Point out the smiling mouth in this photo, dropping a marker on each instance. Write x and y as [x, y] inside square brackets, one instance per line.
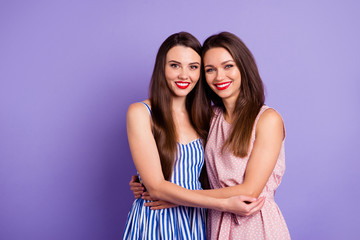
[182, 85]
[222, 86]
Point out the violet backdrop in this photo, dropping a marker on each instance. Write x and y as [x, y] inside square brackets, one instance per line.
[70, 69]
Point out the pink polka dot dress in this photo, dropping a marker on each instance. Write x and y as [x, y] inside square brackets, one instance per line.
[224, 170]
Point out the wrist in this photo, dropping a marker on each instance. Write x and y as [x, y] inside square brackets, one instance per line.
[221, 204]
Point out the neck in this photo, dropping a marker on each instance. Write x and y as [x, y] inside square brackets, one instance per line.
[178, 104]
[229, 104]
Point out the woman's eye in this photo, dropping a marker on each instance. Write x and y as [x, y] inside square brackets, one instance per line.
[229, 66]
[174, 65]
[209, 70]
[193, 67]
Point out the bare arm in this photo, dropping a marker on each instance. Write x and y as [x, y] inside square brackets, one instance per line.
[145, 156]
[139, 191]
[267, 145]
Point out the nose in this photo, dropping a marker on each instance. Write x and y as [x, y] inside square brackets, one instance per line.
[220, 75]
[183, 74]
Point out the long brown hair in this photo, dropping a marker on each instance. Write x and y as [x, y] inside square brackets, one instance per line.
[251, 97]
[197, 104]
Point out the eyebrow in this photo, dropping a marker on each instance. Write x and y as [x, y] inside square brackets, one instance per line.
[223, 63]
[173, 61]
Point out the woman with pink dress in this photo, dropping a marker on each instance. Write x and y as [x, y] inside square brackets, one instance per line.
[245, 146]
[244, 151]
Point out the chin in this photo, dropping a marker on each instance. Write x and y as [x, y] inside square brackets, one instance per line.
[182, 92]
[179, 93]
[224, 96]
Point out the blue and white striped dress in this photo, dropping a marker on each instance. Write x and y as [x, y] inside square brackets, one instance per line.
[177, 222]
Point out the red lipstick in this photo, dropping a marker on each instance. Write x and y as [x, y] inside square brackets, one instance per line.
[222, 86]
[182, 85]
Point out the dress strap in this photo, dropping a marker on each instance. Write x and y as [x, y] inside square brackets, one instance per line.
[147, 106]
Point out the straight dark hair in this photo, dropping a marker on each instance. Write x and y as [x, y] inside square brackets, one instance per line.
[251, 97]
[197, 104]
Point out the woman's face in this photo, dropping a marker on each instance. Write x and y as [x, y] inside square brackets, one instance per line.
[182, 70]
[222, 74]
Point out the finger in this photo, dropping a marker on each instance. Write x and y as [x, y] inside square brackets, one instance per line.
[152, 204]
[259, 207]
[255, 203]
[159, 207]
[247, 198]
[146, 194]
[256, 207]
[247, 208]
[136, 196]
[163, 206]
[134, 178]
[158, 204]
[135, 184]
[254, 210]
[137, 192]
[137, 189]
[147, 198]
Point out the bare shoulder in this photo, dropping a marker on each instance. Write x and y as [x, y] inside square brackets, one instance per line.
[270, 120]
[138, 112]
[270, 116]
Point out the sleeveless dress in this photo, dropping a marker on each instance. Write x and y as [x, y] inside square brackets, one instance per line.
[178, 222]
[225, 169]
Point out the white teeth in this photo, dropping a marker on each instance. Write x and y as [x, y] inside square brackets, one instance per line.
[183, 84]
[222, 85]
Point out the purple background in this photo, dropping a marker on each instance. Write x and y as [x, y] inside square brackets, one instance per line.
[69, 70]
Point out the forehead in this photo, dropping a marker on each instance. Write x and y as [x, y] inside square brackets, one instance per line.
[217, 55]
[182, 54]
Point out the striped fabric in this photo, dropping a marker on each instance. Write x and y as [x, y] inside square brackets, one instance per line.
[177, 222]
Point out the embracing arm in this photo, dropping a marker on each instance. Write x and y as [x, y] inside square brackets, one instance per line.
[263, 158]
[147, 162]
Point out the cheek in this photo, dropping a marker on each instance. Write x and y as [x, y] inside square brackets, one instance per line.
[195, 76]
[236, 75]
[169, 74]
[208, 79]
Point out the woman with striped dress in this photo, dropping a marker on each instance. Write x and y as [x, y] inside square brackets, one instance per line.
[177, 222]
[166, 134]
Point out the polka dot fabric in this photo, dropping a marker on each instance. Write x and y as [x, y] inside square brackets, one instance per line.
[224, 170]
